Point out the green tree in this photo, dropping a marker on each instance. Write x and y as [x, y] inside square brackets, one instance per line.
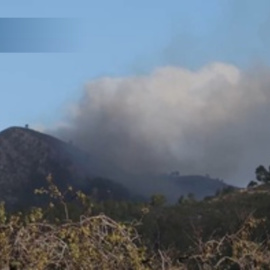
[181, 199]
[157, 200]
[252, 184]
[262, 174]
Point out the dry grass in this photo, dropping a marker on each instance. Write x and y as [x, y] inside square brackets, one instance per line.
[30, 242]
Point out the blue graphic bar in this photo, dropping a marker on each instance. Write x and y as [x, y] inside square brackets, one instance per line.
[37, 35]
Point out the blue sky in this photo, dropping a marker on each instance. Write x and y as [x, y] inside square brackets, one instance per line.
[120, 38]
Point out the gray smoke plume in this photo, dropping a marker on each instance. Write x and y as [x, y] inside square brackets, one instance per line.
[214, 120]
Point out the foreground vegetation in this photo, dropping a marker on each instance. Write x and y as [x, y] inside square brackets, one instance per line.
[227, 231]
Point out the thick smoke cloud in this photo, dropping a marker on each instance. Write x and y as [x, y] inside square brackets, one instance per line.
[214, 120]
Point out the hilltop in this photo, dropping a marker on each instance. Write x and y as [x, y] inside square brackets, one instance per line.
[27, 157]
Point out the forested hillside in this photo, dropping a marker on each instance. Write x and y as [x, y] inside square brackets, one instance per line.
[28, 156]
[74, 231]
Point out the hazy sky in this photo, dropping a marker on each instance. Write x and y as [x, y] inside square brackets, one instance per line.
[127, 38]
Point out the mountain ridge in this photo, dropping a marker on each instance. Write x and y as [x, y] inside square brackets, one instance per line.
[28, 156]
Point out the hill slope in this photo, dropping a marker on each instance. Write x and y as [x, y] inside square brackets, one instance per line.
[28, 156]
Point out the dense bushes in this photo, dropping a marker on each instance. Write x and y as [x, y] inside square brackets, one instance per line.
[215, 234]
[93, 243]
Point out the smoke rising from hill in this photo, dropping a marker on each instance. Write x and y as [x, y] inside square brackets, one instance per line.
[214, 120]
